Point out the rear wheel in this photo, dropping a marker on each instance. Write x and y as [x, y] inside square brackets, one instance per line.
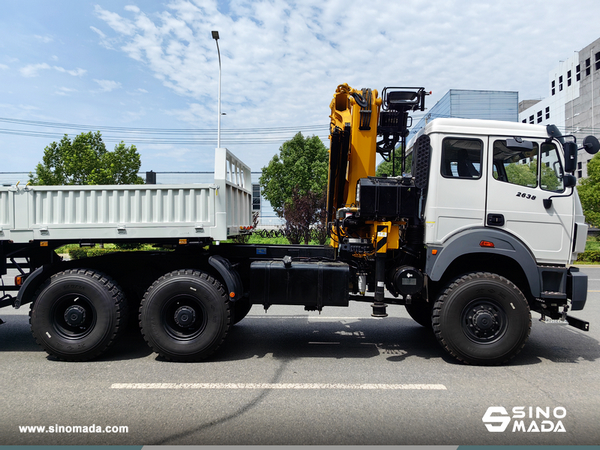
[77, 314]
[482, 318]
[184, 315]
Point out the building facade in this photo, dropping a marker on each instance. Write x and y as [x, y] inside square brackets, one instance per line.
[574, 101]
[472, 104]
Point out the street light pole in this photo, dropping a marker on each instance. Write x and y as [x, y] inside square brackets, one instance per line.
[215, 35]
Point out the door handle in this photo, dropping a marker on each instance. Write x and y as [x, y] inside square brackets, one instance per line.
[495, 220]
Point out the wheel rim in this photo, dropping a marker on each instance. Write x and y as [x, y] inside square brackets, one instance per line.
[484, 321]
[74, 316]
[184, 317]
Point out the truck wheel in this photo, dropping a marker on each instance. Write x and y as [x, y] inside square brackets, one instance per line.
[240, 309]
[184, 315]
[420, 312]
[482, 318]
[77, 314]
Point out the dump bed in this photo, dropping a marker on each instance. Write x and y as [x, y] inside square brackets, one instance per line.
[144, 212]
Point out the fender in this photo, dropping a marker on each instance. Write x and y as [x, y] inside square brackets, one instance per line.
[33, 282]
[230, 276]
[469, 241]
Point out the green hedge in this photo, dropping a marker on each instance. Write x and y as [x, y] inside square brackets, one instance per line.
[88, 252]
[589, 256]
[76, 252]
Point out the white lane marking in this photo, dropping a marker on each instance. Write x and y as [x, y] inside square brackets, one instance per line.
[394, 387]
[278, 316]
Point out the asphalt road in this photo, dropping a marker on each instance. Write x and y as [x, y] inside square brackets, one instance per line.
[296, 377]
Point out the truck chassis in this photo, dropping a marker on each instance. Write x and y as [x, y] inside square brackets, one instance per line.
[472, 274]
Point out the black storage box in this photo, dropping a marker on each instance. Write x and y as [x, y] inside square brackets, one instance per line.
[314, 284]
[387, 198]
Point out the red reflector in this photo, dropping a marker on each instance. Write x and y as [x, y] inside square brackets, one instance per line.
[486, 244]
[19, 280]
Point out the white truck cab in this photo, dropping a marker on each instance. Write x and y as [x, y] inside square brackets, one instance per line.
[498, 174]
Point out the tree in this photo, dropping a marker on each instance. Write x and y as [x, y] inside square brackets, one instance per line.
[301, 165]
[85, 160]
[526, 175]
[385, 167]
[589, 192]
[306, 218]
[522, 174]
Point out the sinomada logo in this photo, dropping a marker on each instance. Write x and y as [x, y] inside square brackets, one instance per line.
[525, 419]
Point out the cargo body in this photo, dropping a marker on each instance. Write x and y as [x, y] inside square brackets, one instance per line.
[136, 212]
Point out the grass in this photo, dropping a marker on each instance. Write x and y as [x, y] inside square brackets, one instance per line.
[592, 243]
[255, 239]
[76, 252]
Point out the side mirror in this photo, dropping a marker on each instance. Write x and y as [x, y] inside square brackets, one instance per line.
[570, 156]
[569, 181]
[591, 145]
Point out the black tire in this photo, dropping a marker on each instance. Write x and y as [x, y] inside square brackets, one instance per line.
[240, 309]
[184, 315]
[482, 318]
[77, 314]
[420, 312]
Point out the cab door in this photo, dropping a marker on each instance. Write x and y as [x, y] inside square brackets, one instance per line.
[456, 194]
[522, 174]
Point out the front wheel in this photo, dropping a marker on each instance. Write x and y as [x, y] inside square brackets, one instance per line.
[184, 315]
[482, 318]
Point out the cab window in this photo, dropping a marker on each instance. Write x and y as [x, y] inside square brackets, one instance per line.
[551, 174]
[530, 167]
[516, 166]
[461, 158]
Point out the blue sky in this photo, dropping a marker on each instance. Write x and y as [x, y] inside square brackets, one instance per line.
[128, 68]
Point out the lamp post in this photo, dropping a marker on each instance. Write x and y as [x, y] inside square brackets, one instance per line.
[215, 35]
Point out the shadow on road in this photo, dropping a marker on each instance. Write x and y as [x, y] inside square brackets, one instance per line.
[396, 338]
[302, 337]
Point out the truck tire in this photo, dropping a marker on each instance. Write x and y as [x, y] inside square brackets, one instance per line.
[420, 312]
[184, 315]
[77, 314]
[482, 319]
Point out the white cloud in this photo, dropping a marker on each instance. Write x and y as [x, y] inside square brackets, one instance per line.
[282, 60]
[194, 114]
[64, 91]
[98, 32]
[33, 70]
[3, 67]
[108, 85]
[76, 73]
[44, 39]
[133, 116]
[116, 22]
[181, 154]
